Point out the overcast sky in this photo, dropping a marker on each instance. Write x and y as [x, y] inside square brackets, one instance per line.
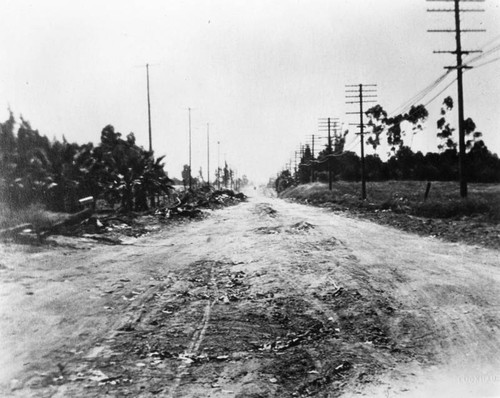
[261, 72]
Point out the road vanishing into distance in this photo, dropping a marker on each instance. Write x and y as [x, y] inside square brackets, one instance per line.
[264, 299]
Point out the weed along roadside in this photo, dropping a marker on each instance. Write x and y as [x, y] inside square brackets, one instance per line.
[402, 204]
[38, 226]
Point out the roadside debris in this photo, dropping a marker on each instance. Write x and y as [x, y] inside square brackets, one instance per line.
[269, 230]
[265, 210]
[189, 203]
[296, 228]
[108, 227]
[13, 231]
[301, 226]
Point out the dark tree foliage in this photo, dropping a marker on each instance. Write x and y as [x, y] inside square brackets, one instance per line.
[226, 175]
[304, 170]
[393, 127]
[445, 131]
[185, 175]
[35, 170]
[284, 181]
[403, 163]
[483, 166]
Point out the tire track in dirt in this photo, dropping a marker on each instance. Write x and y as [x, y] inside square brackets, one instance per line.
[195, 343]
[365, 318]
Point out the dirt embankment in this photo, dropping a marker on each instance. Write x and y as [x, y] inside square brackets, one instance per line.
[265, 299]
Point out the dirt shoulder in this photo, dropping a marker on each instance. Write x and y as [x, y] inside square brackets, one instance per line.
[264, 299]
[400, 205]
[468, 230]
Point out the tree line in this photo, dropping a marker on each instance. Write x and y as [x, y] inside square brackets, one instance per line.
[57, 173]
[402, 163]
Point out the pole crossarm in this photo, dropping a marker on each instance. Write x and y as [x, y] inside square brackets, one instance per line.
[356, 91]
[449, 1]
[364, 96]
[455, 30]
[449, 10]
[455, 51]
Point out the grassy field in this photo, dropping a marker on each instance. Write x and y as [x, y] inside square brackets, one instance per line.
[406, 197]
[401, 204]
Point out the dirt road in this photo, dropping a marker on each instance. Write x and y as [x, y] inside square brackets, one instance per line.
[264, 299]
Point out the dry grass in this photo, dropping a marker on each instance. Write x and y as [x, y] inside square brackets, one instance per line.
[34, 214]
[407, 197]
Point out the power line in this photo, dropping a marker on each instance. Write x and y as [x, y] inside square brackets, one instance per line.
[486, 63]
[441, 92]
[427, 90]
[420, 95]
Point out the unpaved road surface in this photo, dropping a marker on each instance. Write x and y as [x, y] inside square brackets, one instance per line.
[264, 299]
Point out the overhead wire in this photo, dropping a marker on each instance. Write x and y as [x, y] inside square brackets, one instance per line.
[420, 95]
[468, 63]
[487, 62]
[427, 90]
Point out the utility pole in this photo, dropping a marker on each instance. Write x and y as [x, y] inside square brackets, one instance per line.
[218, 165]
[312, 148]
[295, 164]
[328, 123]
[190, 179]
[312, 160]
[459, 67]
[361, 100]
[208, 154]
[149, 110]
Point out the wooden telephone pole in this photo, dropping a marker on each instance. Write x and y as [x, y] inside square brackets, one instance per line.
[149, 110]
[311, 161]
[208, 154]
[327, 124]
[361, 99]
[190, 179]
[459, 67]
